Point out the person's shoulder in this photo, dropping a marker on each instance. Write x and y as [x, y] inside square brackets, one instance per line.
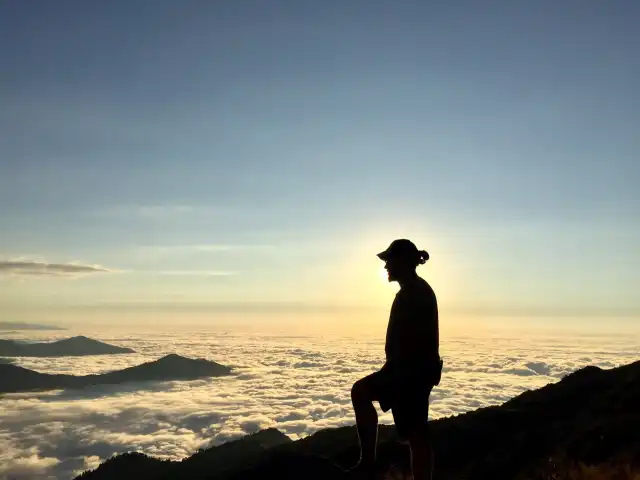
[413, 288]
[423, 285]
[424, 290]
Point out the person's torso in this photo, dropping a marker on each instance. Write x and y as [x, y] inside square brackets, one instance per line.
[412, 333]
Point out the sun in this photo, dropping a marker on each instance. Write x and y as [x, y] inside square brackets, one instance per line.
[382, 273]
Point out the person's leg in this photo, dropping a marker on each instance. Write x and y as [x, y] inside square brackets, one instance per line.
[421, 454]
[411, 418]
[362, 398]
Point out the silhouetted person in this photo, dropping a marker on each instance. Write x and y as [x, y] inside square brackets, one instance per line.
[413, 366]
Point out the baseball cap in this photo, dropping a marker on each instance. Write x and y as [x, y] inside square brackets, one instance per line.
[401, 248]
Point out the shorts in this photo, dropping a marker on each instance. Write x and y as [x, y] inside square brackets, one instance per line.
[406, 393]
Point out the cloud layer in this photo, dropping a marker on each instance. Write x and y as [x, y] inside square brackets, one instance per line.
[41, 269]
[298, 384]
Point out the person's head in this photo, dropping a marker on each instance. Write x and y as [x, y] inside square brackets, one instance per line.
[401, 259]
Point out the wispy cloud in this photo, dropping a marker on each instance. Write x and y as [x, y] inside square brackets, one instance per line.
[41, 269]
[209, 248]
[204, 273]
[167, 254]
[158, 211]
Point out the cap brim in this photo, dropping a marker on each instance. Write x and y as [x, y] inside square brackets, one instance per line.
[384, 256]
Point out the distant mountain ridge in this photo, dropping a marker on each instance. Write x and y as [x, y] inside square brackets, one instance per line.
[14, 379]
[591, 416]
[68, 347]
[27, 326]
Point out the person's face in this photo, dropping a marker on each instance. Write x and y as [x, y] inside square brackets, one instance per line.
[395, 269]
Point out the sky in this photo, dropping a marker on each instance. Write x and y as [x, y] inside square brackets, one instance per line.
[162, 158]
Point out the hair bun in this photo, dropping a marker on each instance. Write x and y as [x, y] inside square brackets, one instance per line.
[424, 256]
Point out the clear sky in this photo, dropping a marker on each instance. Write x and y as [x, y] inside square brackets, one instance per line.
[248, 156]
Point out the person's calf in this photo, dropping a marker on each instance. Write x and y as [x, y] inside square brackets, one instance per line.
[367, 428]
[421, 455]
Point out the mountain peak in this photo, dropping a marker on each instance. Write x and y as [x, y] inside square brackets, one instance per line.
[175, 359]
[73, 346]
[79, 339]
[14, 378]
[179, 367]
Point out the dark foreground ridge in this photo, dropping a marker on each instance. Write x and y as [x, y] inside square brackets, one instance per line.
[591, 416]
[69, 347]
[15, 379]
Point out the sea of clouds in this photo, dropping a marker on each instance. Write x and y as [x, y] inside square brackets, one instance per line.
[298, 384]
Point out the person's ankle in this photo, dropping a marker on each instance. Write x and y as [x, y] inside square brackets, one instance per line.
[362, 471]
[364, 466]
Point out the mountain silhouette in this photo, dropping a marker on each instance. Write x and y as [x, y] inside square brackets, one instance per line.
[590, 416]
[74, 346]
[27, 326]
[14, 378]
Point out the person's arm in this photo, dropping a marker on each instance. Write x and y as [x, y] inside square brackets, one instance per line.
[422, 332]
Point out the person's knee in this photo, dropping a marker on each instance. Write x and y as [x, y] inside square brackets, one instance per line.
[359, 392]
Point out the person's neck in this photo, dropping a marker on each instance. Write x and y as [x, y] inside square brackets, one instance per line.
[408, 279]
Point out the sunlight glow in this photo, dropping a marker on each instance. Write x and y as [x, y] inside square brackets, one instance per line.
[382, 273]
[364, 278]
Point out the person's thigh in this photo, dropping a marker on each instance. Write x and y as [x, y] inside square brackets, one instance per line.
[411, 413]
[379, 386]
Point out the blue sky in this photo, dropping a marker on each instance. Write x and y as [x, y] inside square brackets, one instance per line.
[237, 153]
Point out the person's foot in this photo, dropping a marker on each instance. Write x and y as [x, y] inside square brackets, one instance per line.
[361, 472]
